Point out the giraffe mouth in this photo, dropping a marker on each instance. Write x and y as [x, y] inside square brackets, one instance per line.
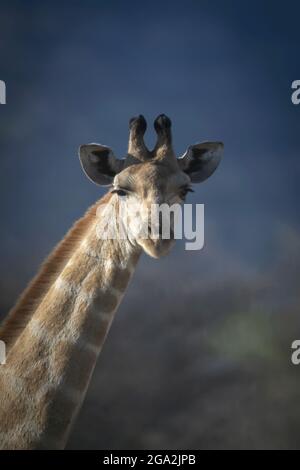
[161, 237]
[157, 246]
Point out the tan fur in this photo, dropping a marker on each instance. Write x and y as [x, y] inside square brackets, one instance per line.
[50, 364]
[58, 327]
[29, 300]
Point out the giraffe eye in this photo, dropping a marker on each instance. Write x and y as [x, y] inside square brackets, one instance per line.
[120, 192]
[184, 191]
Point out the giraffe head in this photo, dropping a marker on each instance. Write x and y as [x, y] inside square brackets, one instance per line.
[146, 178]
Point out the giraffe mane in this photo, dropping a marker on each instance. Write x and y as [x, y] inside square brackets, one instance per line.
[19, 316]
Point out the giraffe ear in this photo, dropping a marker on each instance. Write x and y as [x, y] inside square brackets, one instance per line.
[99, 163]
[201, 160]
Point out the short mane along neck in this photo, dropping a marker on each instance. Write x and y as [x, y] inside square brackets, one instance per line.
[49, 366]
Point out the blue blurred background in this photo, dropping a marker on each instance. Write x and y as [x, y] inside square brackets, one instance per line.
[199, 353]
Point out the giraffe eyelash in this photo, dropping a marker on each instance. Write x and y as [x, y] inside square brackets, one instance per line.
[185, 190]
[120, 191]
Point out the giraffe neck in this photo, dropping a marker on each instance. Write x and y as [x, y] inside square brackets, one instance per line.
[48, 369]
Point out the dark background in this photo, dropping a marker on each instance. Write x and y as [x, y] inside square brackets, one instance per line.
[199, 353]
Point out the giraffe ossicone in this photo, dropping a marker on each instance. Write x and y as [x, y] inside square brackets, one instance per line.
[56, 331]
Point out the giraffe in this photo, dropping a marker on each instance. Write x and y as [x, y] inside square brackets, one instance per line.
[56, 331]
